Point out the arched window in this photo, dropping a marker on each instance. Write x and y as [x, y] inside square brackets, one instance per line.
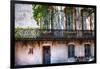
[87, 50]
[71, 50]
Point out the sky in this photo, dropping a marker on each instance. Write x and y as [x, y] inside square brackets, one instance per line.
[24, 16]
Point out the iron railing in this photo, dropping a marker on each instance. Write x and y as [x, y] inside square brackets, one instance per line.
[54, 34]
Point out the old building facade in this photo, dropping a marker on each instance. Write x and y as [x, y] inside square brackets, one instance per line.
[64, 35]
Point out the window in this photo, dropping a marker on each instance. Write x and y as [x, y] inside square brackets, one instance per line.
[46, 20]
[87, 50]
[71, 51]
[69, 20]
[92, 21]
[84, 22]
[88, 19]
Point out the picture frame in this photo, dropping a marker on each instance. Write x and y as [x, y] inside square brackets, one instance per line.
[52, 34]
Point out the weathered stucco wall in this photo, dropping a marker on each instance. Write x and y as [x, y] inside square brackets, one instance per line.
[23, 57]
[59, 52]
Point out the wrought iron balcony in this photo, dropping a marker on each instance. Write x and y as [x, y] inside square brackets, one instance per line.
[53, 34]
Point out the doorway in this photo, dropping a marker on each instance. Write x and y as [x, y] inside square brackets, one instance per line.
[46, 54]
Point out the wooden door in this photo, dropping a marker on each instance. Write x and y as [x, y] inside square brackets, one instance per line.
[46, 54]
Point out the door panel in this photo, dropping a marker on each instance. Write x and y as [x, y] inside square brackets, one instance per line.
[46, 55]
